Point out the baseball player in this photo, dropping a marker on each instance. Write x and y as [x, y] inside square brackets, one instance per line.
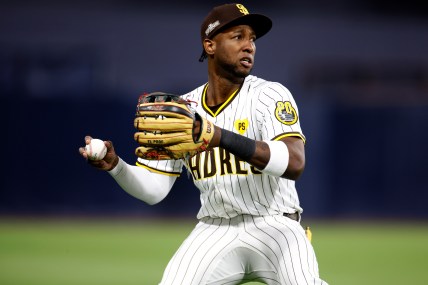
[249, 221]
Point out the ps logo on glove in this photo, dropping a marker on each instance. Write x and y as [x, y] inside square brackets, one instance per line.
[165, 128]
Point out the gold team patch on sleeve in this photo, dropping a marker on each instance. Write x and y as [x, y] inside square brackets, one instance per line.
[285, 113]
[241, 126]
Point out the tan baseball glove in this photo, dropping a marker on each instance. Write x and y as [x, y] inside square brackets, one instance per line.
[165, 126]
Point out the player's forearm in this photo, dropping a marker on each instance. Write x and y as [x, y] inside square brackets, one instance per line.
[280, 158]
[297, 161]
[142, 184]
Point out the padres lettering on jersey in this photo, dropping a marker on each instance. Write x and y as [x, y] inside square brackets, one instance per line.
[218, 162]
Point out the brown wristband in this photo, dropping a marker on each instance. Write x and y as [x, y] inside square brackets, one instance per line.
[240, 146]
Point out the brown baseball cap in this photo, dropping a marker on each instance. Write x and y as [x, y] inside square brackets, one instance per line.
[229, 15]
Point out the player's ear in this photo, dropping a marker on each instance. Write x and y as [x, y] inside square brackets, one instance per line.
[209, 46]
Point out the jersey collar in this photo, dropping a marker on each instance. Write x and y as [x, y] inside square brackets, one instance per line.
[222, 106]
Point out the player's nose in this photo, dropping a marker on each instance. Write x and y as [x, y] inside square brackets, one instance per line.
[249, 46]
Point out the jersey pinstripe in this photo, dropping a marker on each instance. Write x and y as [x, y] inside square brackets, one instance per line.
[260, 110]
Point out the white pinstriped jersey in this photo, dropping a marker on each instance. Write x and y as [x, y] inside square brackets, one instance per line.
[242, 234]
[259, 110]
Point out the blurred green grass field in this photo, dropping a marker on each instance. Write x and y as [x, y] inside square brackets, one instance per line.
[127, 252]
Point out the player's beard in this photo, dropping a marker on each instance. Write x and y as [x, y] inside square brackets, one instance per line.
[234, 71]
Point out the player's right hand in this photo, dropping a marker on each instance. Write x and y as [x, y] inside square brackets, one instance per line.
[109, 161]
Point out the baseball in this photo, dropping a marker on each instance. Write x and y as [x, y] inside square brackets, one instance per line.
[96, 149]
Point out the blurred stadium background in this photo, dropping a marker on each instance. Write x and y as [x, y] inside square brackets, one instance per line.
[358, 70]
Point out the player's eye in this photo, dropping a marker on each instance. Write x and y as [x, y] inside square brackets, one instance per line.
[237, 36]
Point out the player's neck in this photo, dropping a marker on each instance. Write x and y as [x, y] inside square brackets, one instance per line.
[219, 90]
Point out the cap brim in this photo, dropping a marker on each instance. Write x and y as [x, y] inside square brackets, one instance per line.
[261, 24]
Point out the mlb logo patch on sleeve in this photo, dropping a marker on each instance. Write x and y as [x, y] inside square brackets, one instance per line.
[285, 113]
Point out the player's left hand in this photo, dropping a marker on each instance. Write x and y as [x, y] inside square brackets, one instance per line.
[168, 128]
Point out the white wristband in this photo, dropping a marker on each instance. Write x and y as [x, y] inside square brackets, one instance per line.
[279, 157]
